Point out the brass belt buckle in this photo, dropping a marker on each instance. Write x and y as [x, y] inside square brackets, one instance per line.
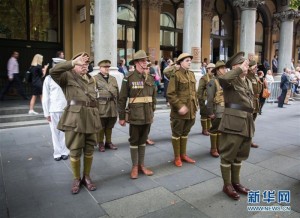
[146, 99]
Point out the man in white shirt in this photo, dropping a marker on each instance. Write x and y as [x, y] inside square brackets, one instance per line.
[13, 77]
[54, 102]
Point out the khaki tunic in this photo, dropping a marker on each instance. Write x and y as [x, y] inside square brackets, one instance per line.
[237, 91]
[76, 118]
[212, 106]
[257, 87]
[202, 93]
[182, 91]
[132, 84]
[108, 96]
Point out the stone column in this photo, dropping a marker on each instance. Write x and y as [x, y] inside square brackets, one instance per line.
[192, 33]
[206, 26]
[286, 38]
[248, 18]
[105, 36]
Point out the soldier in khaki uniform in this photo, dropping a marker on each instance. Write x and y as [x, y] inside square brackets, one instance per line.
[80, 120]
[257, 87]
[138, 88]
[236, 125]
[108, 96]
[215, 106]
[202, 97]
[183, 101]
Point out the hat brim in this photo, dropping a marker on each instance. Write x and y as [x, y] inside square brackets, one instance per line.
[133, 60]
[181, 59]
[230, 61]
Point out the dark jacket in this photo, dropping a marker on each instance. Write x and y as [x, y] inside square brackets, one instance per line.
[285, 82]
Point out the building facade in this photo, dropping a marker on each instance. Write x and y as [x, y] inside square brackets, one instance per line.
[114, 29]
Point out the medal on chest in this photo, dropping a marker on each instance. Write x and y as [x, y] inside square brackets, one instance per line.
[137, 85]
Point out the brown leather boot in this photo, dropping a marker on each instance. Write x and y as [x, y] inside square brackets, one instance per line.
[76, 186]
[145, 171]
[214, 152]
[134, 172]
[187, 159]
[230, 191]
[253, 145]
[88, 183]
[101, 147]
[178, 162]
[240, 188]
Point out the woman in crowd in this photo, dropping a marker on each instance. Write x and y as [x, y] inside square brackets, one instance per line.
[37, 85]
[265, 86]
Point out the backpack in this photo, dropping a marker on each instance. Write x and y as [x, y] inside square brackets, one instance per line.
[28, 76]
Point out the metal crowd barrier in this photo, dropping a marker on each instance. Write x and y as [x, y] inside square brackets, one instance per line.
[274, 89]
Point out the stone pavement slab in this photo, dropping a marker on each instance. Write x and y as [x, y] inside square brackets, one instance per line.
[178, 210]
[141, 203]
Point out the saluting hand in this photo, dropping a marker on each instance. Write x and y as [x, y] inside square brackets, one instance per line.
[245, 65]
[122, 122]
[81, 60]
[183, 110]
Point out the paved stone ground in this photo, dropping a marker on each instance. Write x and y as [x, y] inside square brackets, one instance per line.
[32, 184]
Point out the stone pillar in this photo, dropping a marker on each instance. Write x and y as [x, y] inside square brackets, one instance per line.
[105, 36]
[206, 26]
[248, 18]
[286, 38]
[192, 33]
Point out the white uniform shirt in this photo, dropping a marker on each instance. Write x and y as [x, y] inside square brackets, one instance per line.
[53, 97]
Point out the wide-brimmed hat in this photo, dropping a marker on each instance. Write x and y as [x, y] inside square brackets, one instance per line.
[252, 63]
[83, 52]
[140, 54]
[219, 64]
[104, 63]
[237, 58]
[183, 56]
[210, 65]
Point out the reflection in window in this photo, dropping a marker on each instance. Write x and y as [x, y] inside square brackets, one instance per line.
[43, 20]
[166, 20]
[167, 35]
[13, 19]
[126, 12]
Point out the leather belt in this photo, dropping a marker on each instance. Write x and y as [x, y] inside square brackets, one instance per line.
[107, 99]
[146, 99]
[239, 107]
[83, 103]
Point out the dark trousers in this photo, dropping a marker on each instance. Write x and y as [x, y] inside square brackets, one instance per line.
[282, 97]
[138, 134]
[15, 82]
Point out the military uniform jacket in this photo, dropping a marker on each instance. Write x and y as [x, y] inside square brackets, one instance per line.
[77, 118]
[108, 96]
[201, 92]
[182, 91]
[237, 91]
[140, 86]
[257, 87]
[212, 106]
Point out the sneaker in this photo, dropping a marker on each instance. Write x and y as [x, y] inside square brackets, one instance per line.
[32, 112]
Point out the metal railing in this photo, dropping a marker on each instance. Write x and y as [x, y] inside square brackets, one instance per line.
[274, 89]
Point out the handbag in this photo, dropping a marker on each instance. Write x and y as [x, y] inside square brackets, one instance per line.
[266, 93]
[157, 77]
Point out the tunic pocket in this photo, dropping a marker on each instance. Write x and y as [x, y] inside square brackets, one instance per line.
[235, 121]
[136, 112]
[183, 85]
[102, 106]
[72, 114]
